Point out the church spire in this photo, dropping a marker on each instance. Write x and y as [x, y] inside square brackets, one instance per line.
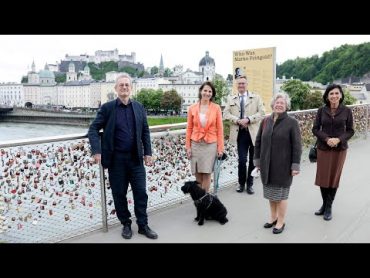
[161, 67]
[33, 68]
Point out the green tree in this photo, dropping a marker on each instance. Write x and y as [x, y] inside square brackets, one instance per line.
[143, 96]
[154, 70]
[109, 66]
[341, 62]
[96, 72]
[171, 101]
[167, 72]
[298, 92]
[150, 98]
[61, 78]
[218, 77]
[141, 74]
[313, 100]
[348, 98]
[221, 90]
[133, 72]
[24, 79]
[156, 99]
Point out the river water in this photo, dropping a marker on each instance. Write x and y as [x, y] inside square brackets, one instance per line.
[13, 131]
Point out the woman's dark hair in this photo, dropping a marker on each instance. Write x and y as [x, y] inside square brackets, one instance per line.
[207, 83]
[328, 89]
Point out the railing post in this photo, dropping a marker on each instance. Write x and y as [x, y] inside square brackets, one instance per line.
[103, 199]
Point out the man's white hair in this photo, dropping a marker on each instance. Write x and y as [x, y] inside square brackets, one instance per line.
[124, 75]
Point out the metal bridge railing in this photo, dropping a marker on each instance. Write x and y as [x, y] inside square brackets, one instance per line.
[50, 190]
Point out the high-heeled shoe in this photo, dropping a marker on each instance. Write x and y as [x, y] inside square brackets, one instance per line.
[278, 231]
[269, 225]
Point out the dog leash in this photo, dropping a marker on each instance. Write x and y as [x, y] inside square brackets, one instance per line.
[217, 166]
[217, 171]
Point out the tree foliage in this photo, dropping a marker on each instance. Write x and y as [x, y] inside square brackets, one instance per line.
[302, 97]
[167, 72]
[342, 62]
[143, 96]
[298, 92]
[98, 71]
[154, 70]
[133, 72]
[24, 79]
[61, 78]
[230, 77]
[221, 90]
[348, 98]
[313, 100]
[171, 101]
[151, 99]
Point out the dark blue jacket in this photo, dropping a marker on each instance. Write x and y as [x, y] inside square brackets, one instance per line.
[106, 120]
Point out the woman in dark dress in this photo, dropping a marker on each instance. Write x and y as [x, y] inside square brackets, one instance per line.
[333, 127]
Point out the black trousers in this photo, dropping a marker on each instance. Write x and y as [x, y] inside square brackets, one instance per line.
[127, 168]
[245, 146]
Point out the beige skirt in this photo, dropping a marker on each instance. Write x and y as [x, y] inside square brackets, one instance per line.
[203, 157]
[329, 168]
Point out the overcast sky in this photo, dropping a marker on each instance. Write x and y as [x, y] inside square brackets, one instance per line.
[17, 52]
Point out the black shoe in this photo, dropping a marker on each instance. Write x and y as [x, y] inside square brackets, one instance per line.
[240, 189]
[320, 211]
[327, 214]
[269, 225]
[250, 190]
[126, 231]
[278, 231]
[149, 233]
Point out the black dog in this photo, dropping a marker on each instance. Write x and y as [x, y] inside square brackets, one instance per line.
[208, 206]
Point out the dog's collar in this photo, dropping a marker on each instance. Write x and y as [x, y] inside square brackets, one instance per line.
[197, 202]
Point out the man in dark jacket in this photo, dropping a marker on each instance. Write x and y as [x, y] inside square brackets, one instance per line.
[126, 135]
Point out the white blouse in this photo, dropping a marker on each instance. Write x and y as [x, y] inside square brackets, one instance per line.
[202, 119]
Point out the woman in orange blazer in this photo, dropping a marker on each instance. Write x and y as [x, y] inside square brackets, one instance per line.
[204, 135]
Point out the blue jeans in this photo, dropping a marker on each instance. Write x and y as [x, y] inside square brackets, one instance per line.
[128, 168]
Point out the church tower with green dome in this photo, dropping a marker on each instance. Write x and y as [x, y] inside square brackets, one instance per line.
[46, 76]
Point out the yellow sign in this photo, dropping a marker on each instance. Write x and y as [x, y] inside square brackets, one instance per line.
[259, 65]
